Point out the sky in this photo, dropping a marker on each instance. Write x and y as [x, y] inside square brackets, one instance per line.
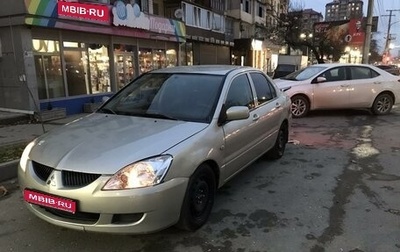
[380, 8]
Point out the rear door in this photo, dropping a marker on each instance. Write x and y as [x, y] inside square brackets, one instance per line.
[365, 84]
[270, 110]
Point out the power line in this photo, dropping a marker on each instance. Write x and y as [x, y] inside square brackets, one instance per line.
[388, 35]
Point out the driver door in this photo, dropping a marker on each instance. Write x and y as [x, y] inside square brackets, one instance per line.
[334, 92]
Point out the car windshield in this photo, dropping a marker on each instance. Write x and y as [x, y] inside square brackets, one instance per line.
[173, 96]
[304, 74]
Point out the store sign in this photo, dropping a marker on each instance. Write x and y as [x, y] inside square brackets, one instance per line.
[161, 25]
[83, 11]
[130, 15]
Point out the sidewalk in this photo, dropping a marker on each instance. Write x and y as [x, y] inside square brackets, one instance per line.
[17, 129]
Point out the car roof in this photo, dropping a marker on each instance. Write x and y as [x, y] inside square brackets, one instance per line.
[339, 64]
[204, 69]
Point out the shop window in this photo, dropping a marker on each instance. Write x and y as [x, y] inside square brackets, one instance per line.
[99, 65]
[159, 60]
[187, 54]
[145, 60]
[73, 44]
[48, 69]
[171, 58]
[124, 64]
[76, 68]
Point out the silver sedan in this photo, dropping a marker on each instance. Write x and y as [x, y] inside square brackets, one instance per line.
[155, 153]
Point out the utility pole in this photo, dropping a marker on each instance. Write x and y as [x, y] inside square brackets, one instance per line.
[386, 51]
[367, 40]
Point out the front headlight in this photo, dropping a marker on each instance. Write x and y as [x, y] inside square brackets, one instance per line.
[23, 162]
[144, 173]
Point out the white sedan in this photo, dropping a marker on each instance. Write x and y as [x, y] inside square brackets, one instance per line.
[341, 86]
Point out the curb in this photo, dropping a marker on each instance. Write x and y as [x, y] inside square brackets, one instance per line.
[8, 170]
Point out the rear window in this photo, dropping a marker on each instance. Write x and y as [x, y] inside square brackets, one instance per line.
[286, 68]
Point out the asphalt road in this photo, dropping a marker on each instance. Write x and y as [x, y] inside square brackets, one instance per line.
[336, 189]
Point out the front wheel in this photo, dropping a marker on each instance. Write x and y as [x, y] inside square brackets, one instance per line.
[382, 105]
[199, 199]
[300, 106]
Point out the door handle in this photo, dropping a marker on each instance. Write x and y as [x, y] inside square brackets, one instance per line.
[377, 82]
[344, 85]
[277, 105]
[256, 117]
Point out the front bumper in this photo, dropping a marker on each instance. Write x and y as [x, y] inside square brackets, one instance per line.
[133, 211]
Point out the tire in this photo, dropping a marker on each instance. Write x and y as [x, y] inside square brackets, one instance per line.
[280, 144]
[300, 106]
[199, 199]
[382, 105]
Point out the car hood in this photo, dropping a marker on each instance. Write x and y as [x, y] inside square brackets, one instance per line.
[286, 84]
[104, 144]
[281, 83]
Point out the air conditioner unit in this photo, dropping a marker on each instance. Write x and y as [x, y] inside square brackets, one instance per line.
[178, 13]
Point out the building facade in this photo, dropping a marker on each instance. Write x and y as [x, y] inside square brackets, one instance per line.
[252, 21]
[343, 10]
[66, 54]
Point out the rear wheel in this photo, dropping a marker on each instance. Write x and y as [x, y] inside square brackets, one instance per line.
[280, 144]
[300, 106]
[382, 105]
[199, 199]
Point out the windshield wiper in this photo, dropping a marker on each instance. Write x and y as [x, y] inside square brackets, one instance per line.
[161, 116]
[289, 78]
[107, 111]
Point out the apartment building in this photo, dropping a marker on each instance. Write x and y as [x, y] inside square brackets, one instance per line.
[343, 10]
[253, 21]
[209, 38]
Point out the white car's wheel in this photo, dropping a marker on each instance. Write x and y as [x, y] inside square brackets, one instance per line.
[383, 104]
[300, 106]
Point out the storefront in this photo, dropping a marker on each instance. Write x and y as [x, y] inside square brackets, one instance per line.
[261, 54]
[81, 52]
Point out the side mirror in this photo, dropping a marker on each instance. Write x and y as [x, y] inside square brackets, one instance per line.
[321, 79]
[237, 113]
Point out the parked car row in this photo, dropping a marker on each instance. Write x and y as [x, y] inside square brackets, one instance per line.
[154, 154]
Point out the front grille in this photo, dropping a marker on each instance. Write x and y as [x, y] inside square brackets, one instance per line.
[42, 171]
[69, 178]
[75, 179]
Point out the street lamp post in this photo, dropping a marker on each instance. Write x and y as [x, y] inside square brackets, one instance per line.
[305, 37]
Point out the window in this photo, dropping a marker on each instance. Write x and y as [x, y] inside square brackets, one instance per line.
[335, 74]
[362, 73]
[260, 11]
[196, 16]
[246, 6]
[239, 93]
[48, 68]
[218, 23]
[264, 89]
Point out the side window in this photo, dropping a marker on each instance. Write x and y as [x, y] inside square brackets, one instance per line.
[265, 91]
[239, 93]
[362, 73]
[335, 74]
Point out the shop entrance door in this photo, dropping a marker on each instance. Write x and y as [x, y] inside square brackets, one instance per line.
[124, 68]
